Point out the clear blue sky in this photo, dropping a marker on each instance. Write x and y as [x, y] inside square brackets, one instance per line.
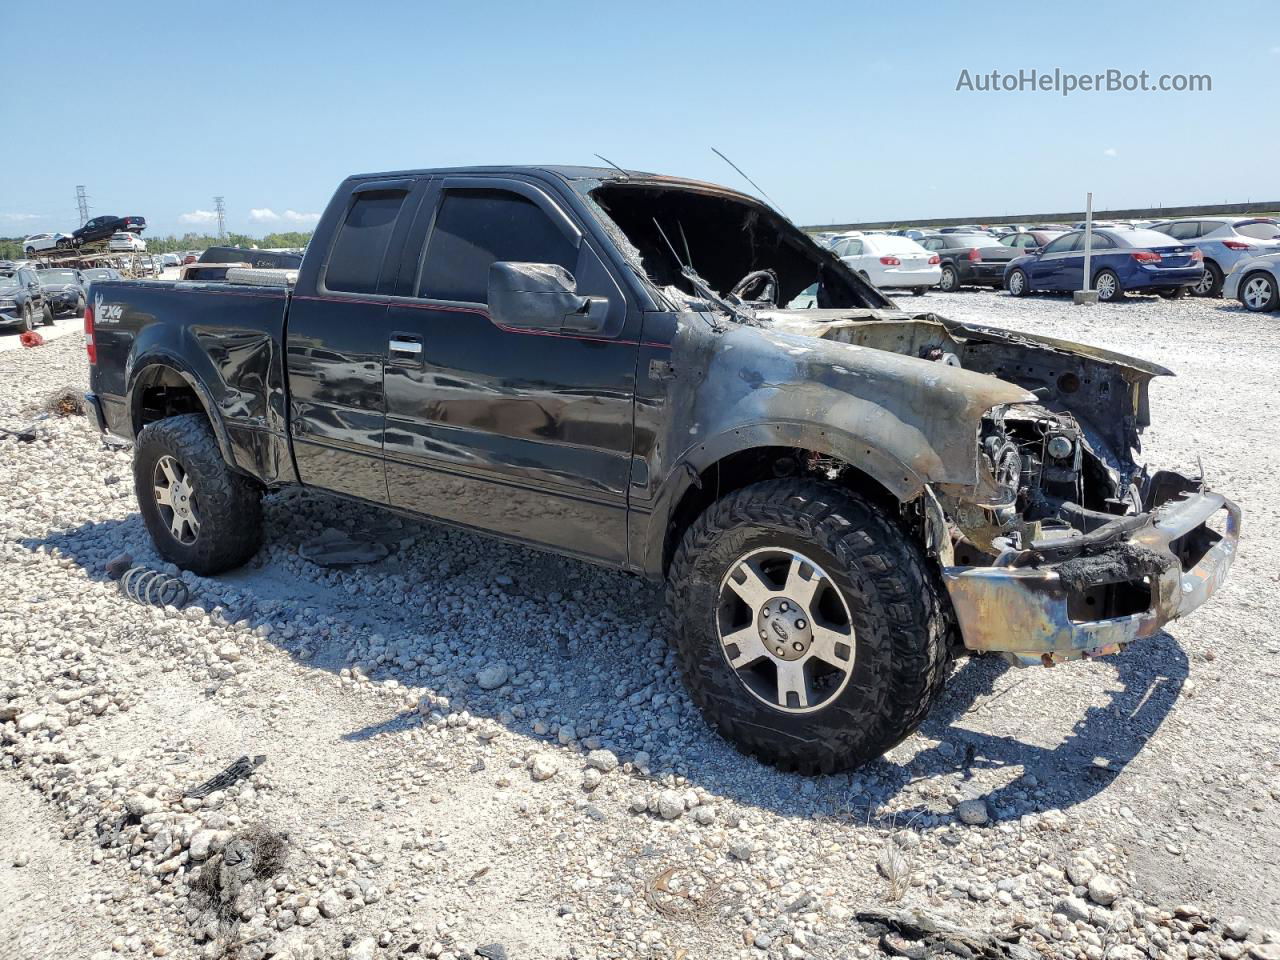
[841, 111]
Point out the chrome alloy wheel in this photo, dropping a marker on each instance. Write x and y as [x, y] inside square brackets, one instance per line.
[1202, 286]
[1106, 284]
[176, 498]
[785, 630]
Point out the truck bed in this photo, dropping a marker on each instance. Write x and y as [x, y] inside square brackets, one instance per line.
[224, 339]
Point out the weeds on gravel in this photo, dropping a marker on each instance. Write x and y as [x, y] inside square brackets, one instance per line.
[256, 853]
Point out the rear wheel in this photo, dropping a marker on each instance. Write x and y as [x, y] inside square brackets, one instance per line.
[919, 291]
[808, 627]
[1108, 286]
[1259, 293]
[201, 514]
[1177, 293]
[1017, 283]
[27, 323]
[950, 281]
[1209, 285]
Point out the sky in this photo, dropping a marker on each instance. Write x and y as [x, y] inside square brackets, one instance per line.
[842, 112]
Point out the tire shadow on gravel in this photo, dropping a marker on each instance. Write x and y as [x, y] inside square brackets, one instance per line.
[1109, 735]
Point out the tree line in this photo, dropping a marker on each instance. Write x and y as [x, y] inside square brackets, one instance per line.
[11, 247]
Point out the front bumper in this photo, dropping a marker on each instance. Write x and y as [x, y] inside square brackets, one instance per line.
[1096, 603]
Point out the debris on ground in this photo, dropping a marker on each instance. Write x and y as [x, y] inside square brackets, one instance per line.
[910, 933]
[29, 338]
[66, 401]
[154, 587]
[236, 771]
[333, 548]
[256, 854]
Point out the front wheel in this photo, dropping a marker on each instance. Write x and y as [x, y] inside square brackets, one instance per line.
[27, 323]
[1259, 293]
[1017, 283]
[808, 627]
[201, 514]
[46, 314]
[1108, 286]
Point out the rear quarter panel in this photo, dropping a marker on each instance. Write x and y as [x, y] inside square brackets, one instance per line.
[223, 339]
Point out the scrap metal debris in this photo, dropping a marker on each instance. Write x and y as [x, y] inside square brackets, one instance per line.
[679, 903]
[154, 588]
[254, 854]
[234, 773]
[333, 548]
[909, 933]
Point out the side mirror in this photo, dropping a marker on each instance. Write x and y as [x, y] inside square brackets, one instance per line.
[541, 296]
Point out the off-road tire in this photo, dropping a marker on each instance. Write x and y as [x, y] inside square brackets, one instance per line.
[899, 616]
[230, 504]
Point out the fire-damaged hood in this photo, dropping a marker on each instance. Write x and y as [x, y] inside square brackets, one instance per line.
[1105, 391]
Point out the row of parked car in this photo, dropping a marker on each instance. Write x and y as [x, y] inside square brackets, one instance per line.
[1238, 257]
[29, 295]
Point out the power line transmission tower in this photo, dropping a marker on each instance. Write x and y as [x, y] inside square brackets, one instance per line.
[82, 202]
[222, 217]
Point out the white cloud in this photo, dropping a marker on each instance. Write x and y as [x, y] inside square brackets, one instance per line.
[1111, 152]
[293, 216]
[199, 216]
[263, 215]
[19, 216]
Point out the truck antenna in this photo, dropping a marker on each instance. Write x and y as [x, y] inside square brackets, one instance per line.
[624, 173]
[759, 188]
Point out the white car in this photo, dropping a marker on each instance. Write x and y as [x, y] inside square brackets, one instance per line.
[126, 242]
[171, 260]
[45, 241]
[888, 262]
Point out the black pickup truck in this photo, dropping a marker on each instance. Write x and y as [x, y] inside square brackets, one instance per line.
[667, 377]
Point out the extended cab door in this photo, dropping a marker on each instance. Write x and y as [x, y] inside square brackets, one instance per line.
[523, 433]
[337, 338]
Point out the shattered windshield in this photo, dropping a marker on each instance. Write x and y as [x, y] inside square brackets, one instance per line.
[743, 252]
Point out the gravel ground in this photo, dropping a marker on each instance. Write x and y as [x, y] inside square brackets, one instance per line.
[472, 749]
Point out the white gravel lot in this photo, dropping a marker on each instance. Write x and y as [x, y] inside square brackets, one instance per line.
[435, 726]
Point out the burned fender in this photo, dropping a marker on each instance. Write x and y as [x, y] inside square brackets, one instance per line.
[906, 422]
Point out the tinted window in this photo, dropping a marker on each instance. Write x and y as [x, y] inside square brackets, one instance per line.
[1259, 231]
[970, 240]
[1100, 242]
[476, 228]
[357, 255]
[1183, 231]
[1063, 244]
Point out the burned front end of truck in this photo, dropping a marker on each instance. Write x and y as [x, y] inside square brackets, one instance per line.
[1011, 456]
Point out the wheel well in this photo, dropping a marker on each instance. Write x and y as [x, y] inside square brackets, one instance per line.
[162, 392]
[765, 463]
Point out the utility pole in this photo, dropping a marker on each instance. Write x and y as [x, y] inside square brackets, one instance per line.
[221, 210]
[82, 203]
[1086, 295]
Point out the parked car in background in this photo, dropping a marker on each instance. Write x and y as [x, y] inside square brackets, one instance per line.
[98, 273]
[967, 228]
[968, 259]
[21, 299]
[189, 258]
[63, 289]
[1122, 261]
[1028, 240]
[889, 262]
[1105, 225]
[101, 228]
[1224, 241]
[1255, 282]
[171, 260]
[128, 242]
[44, 241]
[1056, 227]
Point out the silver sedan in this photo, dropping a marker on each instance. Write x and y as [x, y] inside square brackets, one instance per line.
[1255, 282]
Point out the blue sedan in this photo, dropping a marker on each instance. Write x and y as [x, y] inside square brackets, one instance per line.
[1123, 260]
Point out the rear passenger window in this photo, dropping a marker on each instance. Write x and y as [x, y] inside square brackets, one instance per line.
[356, 260]
[1184, 231]
[477, 227]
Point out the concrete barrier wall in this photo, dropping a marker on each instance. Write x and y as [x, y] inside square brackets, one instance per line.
[1073, 216]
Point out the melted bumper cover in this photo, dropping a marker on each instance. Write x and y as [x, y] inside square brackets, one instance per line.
[1038, 612]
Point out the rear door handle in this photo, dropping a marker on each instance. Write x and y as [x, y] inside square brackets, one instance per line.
[404, 347]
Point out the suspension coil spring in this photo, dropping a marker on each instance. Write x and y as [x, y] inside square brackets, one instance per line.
[154, 587]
